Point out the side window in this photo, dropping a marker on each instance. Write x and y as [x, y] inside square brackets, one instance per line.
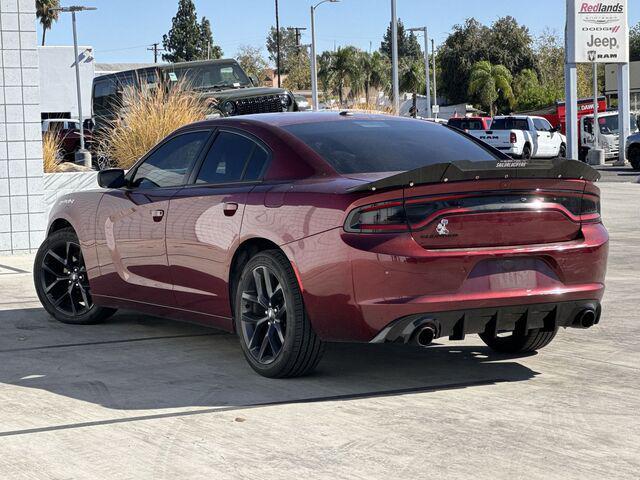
[547, 126]
[104, 96]
[168, 165]
[540, 125]
[229, 155]
[588, 125]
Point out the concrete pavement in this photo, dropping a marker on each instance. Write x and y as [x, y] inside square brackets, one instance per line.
[145, 398]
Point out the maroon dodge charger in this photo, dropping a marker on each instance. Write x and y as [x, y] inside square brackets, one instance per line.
[293, 230]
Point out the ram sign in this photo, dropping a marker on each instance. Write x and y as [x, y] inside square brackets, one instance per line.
[597, 31]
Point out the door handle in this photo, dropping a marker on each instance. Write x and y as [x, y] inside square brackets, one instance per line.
[157, 215]
[230, 209]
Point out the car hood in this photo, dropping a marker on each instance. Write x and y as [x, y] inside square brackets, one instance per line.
[237, 93]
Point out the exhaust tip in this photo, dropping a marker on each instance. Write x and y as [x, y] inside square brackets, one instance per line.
[586, 318]
[425, 335]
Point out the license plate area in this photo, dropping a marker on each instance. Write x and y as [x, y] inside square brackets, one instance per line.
[518, 280]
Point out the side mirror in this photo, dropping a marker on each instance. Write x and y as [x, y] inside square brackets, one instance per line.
[254, 80]
[111, 178]
[88, 124]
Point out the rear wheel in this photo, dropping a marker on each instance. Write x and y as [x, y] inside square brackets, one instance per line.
[634, 157]
[275, 333]
[61, 282]
[526, 152]
[518, 342]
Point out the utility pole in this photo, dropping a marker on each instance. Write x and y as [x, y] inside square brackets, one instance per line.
[155, 48]
[298, 34]
[426, 65]
[394, 58]
[435, 84]
[81, 154]
[314, 68]
[278, 44]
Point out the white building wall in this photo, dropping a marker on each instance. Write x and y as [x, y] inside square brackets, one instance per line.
[22, 220]
[58, 79]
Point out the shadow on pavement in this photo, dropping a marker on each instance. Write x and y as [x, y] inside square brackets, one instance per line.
[136, 362]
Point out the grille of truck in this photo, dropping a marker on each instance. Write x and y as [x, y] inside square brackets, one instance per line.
[264, 104]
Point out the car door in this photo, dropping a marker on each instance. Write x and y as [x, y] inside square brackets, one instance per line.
[205, 219]
[543, 135]
[131, 223]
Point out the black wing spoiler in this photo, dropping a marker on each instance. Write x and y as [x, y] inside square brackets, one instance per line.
[467, 170]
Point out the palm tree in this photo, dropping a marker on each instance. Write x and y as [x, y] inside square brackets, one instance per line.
[490, 82]
[412, 80]
[344, 69]
[325, 72]
[374, 72]
[46, 14]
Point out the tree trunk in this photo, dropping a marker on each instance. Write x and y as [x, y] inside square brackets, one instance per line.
[415, 104]
[44, 33]
[366, 93]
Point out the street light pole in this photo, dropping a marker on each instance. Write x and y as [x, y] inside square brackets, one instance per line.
[394, 58]
[278, 43]
[426, 65]
[435, 85]
[82, 153]
[314, 68]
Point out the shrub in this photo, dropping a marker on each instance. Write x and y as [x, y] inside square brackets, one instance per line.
[147, 116]
[51, 152]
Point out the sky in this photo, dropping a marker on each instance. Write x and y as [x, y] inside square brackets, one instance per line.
[122, 30]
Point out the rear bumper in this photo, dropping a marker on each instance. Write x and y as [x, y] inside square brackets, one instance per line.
[457, 324]
[356, 286]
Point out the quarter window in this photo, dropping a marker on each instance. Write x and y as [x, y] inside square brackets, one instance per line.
[232, 158]
[169, 164]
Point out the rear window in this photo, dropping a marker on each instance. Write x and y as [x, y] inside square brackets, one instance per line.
[466, 123]
[510, 124]
[387, 145]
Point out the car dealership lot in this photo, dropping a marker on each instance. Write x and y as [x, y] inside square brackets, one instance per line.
[141, 397]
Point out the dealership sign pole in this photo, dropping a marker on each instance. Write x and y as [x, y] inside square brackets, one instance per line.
[597, 31]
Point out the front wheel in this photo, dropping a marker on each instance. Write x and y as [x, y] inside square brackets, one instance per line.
[634, 157]
[562, 153]
[515, 342]
[526, 152]
[275, 333]
[61, 282]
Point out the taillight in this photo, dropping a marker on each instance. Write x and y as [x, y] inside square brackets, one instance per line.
[513, 137]
[384, 217]
[590, 209]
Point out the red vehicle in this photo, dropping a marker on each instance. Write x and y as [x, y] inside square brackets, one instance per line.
[470, 123]
[295, 230]
[557, 114]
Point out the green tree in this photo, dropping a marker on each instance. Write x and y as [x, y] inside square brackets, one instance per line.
[549, 49]
[489, 83]
[188, 40]
[299, 68]
[634, 43]
[344, 69]
[288, 47]
[46, 15]
[207, 49]
[325, 73]
[251, 60]
[528, 92]
[375, 72]
[511, 45]
[413, 80]
[408, 46]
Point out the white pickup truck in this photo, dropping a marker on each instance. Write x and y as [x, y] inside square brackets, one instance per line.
[524, 136]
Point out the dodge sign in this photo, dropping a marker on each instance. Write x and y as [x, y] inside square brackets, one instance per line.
[597, 31]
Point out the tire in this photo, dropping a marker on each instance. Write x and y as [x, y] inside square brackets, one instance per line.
[634, 157]
[582, 154]
[519, 343]
[59, 274]
[526, 152]
[274, 331]
[562, 152]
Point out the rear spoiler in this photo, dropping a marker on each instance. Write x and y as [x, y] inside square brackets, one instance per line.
[496, 169]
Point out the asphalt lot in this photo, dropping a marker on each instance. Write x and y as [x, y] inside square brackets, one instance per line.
[145, 398]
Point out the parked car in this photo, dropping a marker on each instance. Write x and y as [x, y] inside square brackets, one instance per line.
[67, 130]
[302, 103]
[470, 123]
[234, 91]
[633, 150]
[295, 230]
[524, 137]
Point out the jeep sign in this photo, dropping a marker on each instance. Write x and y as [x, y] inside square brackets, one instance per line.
[597, 31]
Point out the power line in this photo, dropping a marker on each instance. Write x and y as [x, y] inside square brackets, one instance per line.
[154, 47]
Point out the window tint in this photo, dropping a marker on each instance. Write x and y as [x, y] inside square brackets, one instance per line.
[169, 164]
[541, 125]
[387, 145]
[510, 124]
[104, 96]
[227, 158]
[466, 124]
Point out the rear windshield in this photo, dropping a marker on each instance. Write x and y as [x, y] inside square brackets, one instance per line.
[387, 145]
[510, 124]
[466, 123]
